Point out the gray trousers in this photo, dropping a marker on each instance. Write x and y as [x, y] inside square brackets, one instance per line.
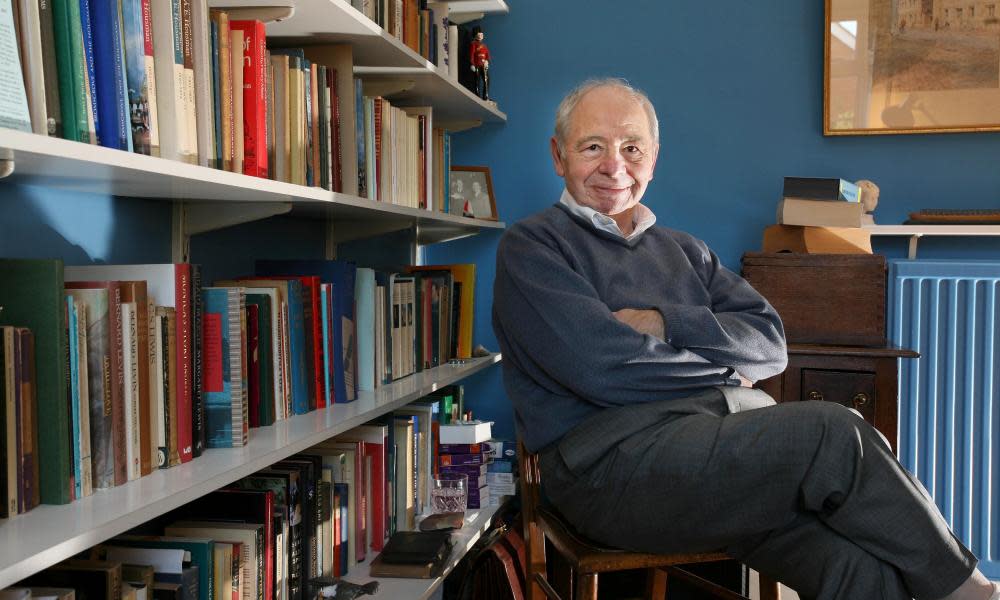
[804, 492]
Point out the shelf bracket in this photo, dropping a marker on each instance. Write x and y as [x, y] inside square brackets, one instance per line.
[194, 218]
[912, 252]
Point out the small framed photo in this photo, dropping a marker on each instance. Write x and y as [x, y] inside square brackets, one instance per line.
[471, 193]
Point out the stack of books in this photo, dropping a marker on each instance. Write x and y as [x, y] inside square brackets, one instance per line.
[819, 215]
[464, 448]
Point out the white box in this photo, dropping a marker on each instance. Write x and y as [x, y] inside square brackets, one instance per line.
[465, 432]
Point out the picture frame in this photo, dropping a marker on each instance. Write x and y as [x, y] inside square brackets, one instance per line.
[474, 185]
[911, 66]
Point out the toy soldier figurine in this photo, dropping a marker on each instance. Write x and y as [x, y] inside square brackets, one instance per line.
[479, 56]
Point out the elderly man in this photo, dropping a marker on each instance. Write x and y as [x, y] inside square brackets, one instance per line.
[624, 346]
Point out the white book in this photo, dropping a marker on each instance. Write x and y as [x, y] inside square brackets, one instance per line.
[130, 369]
[439, 21]
[31, 63]
[202, 81]
[425, 458]
[13, 102]
[149, 63]
[158, 429]
[281, 117]
[465, 432]
[170, 81]
[453, 61]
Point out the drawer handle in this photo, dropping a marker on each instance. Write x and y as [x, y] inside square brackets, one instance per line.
[814, 395]
[859, 400]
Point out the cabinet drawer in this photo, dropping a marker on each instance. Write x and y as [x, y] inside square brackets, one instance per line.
[851, 388]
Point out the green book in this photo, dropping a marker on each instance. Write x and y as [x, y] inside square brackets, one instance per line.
[265, 357]
[72, 66]
[31, 295]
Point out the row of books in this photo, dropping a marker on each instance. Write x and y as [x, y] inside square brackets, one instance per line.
[177, 80]
[317, 513]
[150, 367]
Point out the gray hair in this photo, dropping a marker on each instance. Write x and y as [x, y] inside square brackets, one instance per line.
[569, 102]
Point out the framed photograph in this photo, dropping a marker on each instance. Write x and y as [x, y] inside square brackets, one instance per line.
[911, 66]
[471, 193]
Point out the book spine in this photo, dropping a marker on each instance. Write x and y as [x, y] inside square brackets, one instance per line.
[74, 381]
[172, 363]
[254, 97]
[71, 67]
[253, 354]
[190, 103]
[85, 457]
[86, 33]
[359, 125]
[53, 107]
[29, 424]
[216, 93]
[112, 122]
[185, 376]
[201, 83]
[225, 87]
[134, 35]
[118, 424]
[198, 429]
[149, 64]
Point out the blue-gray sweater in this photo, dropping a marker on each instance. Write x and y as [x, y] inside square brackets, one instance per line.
[565, 356]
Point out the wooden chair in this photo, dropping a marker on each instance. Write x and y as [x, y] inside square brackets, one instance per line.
[587, 559]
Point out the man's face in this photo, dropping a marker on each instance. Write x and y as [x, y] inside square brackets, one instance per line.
[609, 155]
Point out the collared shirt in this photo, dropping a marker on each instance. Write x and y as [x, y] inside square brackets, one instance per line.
[642, 217]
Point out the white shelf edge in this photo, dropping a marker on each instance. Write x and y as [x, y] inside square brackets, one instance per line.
[432, 71]
[477, 522]
[931, 230]
[66, 164]
[48, 534]
[478, 6]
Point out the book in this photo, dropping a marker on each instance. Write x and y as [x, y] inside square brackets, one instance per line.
[465, 432]
[92, 579]
[820, 213]
[820, 188]
[136, 292]
[32, 296]
[221, 20]
[32, 66]
[254, 96]
[201, 83]
[137, 73]
[149, 62]
[130, 400]
[236, 72]
[817, 240]
[72, 69]
[53, 108]
[14, 112]
[224, 383]
[112, 103]
[201, 550]
[250, 535]
[168, 61]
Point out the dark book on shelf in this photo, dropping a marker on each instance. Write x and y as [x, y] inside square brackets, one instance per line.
[820, 188]
[31, 294]
[91, 579]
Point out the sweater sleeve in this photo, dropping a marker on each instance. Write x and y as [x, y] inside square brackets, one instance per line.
[740, 330]
[550, 318]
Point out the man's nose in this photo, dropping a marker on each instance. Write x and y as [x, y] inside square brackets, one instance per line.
[611, 164]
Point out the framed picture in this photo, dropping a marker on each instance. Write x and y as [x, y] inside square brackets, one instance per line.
[471, 193]
[911, 66]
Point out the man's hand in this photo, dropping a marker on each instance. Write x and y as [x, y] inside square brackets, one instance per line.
[648, 321]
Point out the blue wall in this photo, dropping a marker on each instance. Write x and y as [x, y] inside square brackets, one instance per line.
[738, 87]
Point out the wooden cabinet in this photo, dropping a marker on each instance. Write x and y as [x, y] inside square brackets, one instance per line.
[858, 377]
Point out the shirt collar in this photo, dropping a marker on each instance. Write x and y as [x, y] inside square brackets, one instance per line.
[642, 217]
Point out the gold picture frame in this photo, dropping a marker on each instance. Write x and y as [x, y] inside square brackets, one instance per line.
[911, 66]
[475, 186]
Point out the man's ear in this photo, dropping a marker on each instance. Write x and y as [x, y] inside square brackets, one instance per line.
[557, 160]
[656, 154]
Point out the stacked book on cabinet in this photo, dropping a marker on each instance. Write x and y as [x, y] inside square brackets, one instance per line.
[140, 367]
[181, 81]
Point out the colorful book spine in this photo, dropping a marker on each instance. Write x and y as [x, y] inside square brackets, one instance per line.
[149, 64]
[223, 380]
[254, 97]
[86, 31]
[74, 380]
[105, 20]
[134, 34]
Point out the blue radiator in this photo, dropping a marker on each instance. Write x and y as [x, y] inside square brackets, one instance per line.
[949, 413]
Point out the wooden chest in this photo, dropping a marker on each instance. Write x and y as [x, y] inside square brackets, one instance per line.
[823, 298]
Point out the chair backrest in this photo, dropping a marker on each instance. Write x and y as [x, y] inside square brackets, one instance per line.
[531, 484]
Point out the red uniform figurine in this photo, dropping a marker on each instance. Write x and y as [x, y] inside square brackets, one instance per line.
[479, 57]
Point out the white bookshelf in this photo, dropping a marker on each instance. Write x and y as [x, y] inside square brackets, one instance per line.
[232, 197]
[48, 534]
[477, 522]
[915, 232]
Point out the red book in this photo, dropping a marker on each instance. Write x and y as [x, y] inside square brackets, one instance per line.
[374, 439]
[254, 96]
[117, 359]
[338, 545]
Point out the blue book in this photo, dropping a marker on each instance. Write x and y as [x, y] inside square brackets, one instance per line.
[364, 317]
[74, 385]
[88, 52]
[359, 117]
[223, 380]
[105, 24]
[342, 491]
[137, 90]
[216, 93]
[341, 274]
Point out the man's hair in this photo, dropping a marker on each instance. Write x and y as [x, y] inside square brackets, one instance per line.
[569, 102]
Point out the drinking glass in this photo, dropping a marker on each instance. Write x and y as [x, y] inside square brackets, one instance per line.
[449, 492]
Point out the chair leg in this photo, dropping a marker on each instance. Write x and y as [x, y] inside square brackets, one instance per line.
[769, 588]
[535, 556]
[656, 584]
[586, 586]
